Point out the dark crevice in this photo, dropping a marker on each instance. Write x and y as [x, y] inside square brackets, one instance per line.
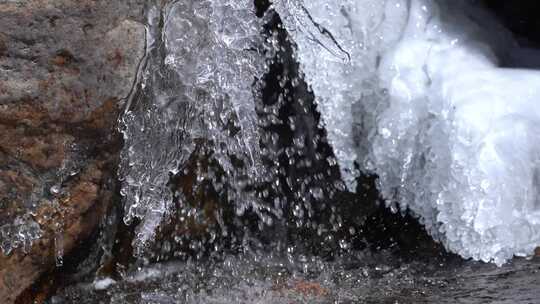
[520, 17]
[261, 6]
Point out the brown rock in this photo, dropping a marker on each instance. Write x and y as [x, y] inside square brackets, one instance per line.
[75, 218]
[301, 287]
[310, 288]
[65, 66]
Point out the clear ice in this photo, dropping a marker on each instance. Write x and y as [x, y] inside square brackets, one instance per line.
[196, 93]
[416, 92]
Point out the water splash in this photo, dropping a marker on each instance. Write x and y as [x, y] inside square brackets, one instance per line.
[196, 95]
[222, 136]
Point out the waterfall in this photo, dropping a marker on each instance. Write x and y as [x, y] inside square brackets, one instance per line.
[196, 94]
[409, 90]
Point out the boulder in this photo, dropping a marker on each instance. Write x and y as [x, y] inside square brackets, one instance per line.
[66, 66]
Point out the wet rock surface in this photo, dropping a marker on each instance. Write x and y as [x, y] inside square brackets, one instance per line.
[65, 67]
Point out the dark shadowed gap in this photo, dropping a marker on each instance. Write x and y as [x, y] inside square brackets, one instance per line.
[261, 6]
[520, 17]
[375, 226]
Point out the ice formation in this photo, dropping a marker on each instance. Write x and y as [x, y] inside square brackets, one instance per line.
[414, 91]
[196, 92]
[335, 45]
[19, 234]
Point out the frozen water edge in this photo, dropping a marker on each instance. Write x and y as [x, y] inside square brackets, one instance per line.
[452, 137]
[19, 234]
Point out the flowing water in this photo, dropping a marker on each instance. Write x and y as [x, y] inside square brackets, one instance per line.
[357, 278]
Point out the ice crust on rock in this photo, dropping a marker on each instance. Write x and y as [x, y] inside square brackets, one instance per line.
[19, 234]
[415, 92]
[196, 92]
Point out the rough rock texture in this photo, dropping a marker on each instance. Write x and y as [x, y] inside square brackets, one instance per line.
[65, 67]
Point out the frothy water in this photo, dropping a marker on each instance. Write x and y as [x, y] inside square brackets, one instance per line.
[359, 278]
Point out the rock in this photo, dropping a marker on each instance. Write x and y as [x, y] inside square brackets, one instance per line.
[75, 217]
[310, 288]
[65, 68]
